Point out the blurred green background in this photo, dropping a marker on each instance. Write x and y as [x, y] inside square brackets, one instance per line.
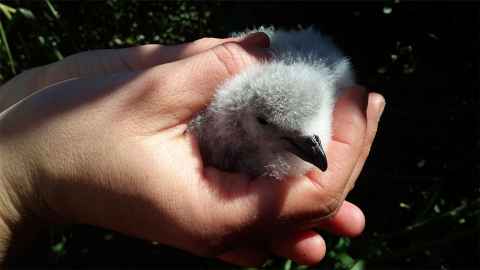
[420, 187]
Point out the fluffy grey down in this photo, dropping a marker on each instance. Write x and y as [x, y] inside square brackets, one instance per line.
[274, 119]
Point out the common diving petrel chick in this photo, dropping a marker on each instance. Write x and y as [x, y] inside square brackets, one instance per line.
[274, 118]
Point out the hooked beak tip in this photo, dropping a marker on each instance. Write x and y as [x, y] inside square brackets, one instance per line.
[309, 148]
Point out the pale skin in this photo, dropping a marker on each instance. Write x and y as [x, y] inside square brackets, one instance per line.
[100, 138]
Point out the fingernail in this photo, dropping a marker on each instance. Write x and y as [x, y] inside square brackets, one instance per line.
[256, 39]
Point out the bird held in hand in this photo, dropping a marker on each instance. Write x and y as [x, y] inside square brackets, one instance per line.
[274, 118]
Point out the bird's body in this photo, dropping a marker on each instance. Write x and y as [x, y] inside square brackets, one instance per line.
[273, 118]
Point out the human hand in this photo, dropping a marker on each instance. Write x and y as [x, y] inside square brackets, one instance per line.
[105, 149]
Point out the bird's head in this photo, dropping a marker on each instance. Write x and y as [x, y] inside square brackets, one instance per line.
[284, 108]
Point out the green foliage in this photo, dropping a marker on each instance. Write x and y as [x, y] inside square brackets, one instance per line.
[59, 247]
[5, 48]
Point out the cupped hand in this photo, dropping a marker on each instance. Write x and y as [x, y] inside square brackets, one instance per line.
[100, 138]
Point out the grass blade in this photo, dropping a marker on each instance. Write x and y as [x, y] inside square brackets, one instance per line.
[287, 265]
[52, 9]
[4, 40]
[359, 265]
[7, 10]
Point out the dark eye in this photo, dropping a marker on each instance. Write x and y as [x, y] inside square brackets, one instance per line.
[262, 121]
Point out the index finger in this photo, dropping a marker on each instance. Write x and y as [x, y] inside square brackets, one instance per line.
[143, 57]
[110, 61]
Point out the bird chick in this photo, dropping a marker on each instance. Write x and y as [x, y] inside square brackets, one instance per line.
[274, 118]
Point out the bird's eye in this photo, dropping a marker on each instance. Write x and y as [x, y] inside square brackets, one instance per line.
[262, 121]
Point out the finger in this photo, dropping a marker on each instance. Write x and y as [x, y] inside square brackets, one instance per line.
[305, 247]
[349, 126]
[375, 107]
[182, 88]
[110, 61]
[348, 221]
[246, 257]
[142, 57]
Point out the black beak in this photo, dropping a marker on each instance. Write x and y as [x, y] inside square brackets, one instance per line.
[309, 148]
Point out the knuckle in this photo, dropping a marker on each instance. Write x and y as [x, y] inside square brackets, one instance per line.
[134, 58]
[330, 204]
[232, 56]
[330, 199]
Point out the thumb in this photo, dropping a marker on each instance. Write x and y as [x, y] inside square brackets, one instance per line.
[184, 87]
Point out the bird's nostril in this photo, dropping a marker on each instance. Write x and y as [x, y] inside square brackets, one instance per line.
[310, 141]
[316, 139]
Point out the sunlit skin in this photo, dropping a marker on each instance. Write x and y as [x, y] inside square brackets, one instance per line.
[109, 148]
